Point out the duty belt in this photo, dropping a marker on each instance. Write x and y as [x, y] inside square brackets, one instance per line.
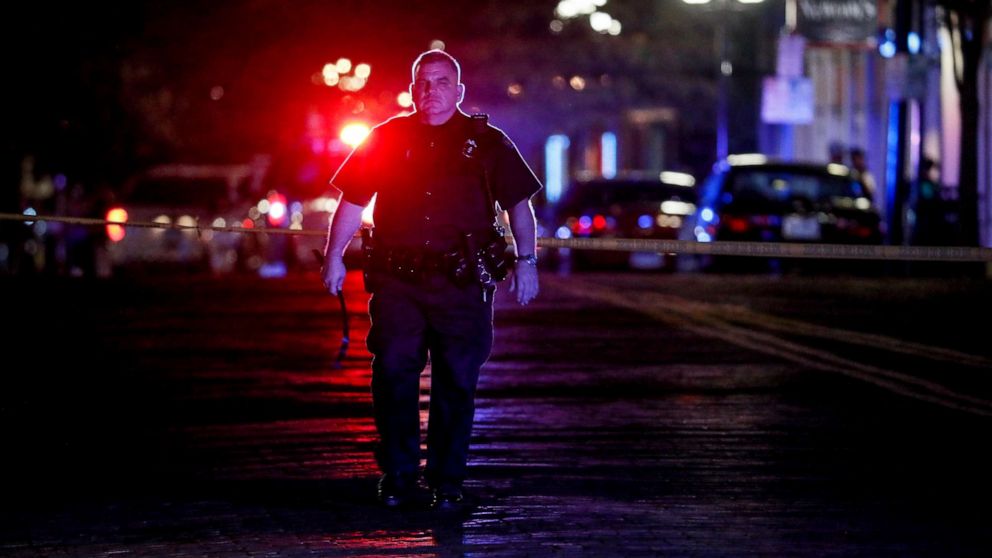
[412, 264]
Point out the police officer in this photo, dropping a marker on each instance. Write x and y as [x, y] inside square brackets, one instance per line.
[438, 176]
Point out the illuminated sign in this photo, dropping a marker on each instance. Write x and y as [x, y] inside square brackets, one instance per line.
[838, 21]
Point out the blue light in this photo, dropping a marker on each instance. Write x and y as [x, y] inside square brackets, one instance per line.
[555, 166]
[887, 49]
[644, 221]
[913, 42]
[892, 156]
[608, 148]
[887, 46]
[30, 212]
[706, 215]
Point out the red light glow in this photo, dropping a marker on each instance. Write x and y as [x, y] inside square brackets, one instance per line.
[737, 224]
[116, 233]
[277, 208]
[599, 222]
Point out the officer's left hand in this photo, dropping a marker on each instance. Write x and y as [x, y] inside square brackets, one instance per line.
[524, 282]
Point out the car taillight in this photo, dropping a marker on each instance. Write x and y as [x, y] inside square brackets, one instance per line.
[863, 231]
[736, 224]
[116, 233]
[598, 223]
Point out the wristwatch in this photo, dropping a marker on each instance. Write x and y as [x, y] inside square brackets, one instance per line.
[529, 259]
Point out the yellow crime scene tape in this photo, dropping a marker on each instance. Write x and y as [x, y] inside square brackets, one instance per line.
[716, 248]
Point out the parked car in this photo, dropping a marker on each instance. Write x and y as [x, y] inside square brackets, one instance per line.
[632, 205]
[185, 195]
[753, 198]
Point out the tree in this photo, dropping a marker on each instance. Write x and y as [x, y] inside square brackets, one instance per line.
[968, 22]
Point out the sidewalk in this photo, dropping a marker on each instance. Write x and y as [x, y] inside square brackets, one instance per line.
[211, 425]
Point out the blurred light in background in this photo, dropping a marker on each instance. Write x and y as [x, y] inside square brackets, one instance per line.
[913, 42]
[186, 222]
[330, 75]
[336, 74]
[677, 178]
[555, 166]
[31, 212]
[216, 92]
[577, 83]
[354, 133]
[675, 207]
[351, 83]
[747, 159]
[514, 90]
[599, 21]
[887, 46]
[277, 208]
[608, 150]
[437, 44]
[404, 99]
[116, 232]
[161, 220]
[568, 9]
[324, 203]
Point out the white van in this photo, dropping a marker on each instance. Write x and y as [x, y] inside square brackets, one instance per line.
[181, 196]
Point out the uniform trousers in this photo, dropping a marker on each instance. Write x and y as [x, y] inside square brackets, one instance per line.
[413, 321]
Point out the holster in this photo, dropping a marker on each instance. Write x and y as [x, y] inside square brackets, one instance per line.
[487, 256]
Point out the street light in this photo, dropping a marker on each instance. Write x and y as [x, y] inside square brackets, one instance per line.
[725, 68]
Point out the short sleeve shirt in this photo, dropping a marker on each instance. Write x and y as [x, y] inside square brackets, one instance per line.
[429, 181]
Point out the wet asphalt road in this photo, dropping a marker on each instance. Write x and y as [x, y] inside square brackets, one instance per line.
[620, 415]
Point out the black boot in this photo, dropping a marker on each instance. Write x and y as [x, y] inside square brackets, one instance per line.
[397, 489]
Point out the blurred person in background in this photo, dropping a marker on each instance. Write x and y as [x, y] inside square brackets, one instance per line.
[926, 204]
[859, 168]
[835, 151]
[438, 176]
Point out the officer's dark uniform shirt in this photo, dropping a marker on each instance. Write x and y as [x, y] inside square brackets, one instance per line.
[429, 180]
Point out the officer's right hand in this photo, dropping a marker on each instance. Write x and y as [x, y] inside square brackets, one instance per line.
[333, 274]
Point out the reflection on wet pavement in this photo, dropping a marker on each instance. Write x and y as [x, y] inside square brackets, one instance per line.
[221, 429]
